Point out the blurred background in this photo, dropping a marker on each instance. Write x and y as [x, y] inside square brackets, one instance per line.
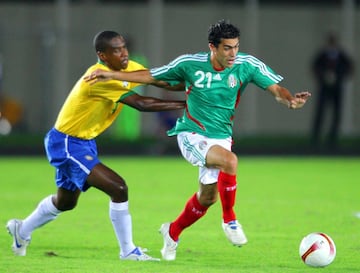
[45, 47]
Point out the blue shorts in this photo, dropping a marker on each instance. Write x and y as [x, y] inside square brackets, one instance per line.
[73, 158]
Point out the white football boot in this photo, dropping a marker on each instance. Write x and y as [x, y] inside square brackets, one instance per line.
[138, 254]
[234, 232]
[19, 244]
[168, 251]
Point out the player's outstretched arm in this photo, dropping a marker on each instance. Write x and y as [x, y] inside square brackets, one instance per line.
[284, 96]
[140, 76]
[151, 104]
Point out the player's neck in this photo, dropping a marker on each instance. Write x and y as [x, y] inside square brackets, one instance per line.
[215, 63]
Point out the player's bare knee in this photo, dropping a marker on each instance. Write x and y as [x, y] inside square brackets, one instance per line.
[231, 162]
[120, 193]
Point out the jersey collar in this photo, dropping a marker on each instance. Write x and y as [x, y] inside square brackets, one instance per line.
[101, 62]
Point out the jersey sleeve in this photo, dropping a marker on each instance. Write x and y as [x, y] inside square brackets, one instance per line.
[112, 90]
[172, 73]
[263, 75]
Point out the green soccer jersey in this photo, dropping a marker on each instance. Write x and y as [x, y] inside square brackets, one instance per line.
[212, 95]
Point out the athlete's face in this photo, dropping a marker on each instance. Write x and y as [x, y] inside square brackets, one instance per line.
[116, 55]
[224, 55]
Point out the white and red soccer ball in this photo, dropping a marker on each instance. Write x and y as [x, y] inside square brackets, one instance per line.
[317, 249]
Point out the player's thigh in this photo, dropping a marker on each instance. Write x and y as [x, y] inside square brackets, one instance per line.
[195, 148]
[221, 158]
[106, 180]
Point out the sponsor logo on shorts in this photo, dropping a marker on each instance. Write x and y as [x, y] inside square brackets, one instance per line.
[202, 145]
[89, 157]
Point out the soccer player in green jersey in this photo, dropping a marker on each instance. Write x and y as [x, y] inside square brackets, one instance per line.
[214, 82]
[71, 148]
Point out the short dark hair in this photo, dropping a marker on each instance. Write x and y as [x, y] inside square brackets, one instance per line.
[102, 39]
[222, 30]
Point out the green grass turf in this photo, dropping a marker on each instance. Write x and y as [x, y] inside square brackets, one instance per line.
[279, 201]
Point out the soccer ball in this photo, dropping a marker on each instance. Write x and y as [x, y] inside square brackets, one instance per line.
[317, 249]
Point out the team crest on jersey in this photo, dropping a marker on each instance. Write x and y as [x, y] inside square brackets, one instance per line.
[232, 81]
[125, 84]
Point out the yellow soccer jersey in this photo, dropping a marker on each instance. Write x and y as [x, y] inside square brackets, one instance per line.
[91, 109]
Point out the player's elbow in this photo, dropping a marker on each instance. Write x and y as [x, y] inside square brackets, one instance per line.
[143, 106]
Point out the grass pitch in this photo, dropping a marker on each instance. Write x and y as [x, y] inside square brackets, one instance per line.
[279, 200]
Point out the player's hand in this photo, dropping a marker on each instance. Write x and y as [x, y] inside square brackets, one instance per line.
[299, 100]
[99, 75]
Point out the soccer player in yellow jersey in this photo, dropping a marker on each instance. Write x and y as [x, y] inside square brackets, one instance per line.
[71, 147]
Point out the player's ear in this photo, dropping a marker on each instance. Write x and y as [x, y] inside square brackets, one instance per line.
[101, 55]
